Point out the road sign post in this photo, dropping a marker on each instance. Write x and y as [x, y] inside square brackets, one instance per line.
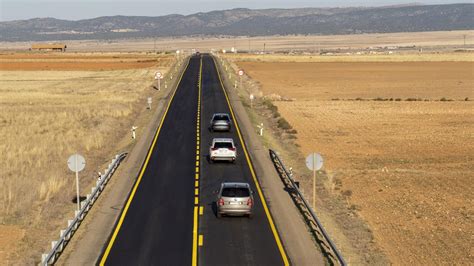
[158, 76]
[251, 100]
[241, 73]
[76, 163]
[314, 162]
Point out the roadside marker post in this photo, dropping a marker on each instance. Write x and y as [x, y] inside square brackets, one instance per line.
[260, 129]
[77, 163]
[149, 101]
[314, 162]
[252, 97]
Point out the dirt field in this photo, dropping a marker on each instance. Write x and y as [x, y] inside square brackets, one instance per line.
[45, 116]
[77, 62]
[405, 166]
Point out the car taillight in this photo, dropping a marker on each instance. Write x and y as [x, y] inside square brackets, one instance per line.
[232, 149]
[213, 149]
[220, 202]
[250, 202]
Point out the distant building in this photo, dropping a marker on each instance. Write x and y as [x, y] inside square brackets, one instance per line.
[48, 47]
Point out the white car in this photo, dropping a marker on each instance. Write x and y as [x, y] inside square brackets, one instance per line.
[222, 149]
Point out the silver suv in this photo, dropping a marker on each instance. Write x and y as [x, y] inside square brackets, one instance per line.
[222, 149]
[220, 122]
[235, 199]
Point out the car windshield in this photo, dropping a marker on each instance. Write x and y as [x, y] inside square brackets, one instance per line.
[235, 192]
[221, 117]
[223, 145]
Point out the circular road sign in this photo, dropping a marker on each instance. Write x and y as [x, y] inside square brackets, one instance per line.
[241, 72]
[158, 75]
[252, 97]
[76, 162]
[314, 161]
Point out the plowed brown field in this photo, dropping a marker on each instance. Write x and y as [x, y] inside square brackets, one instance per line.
[77, 62]
[407, 166]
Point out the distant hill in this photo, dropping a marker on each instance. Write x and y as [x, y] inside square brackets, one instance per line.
[248, 22]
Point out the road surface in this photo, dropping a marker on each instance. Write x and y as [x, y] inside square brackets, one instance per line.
[169, 217]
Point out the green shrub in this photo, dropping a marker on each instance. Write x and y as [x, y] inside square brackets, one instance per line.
[283, 124]
[293, 131]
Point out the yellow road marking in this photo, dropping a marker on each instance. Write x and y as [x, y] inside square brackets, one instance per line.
[196, 183]
[257, 184]
[194, 259]
[132, 194]
[201, 210]
[201, 240]
[195, 228]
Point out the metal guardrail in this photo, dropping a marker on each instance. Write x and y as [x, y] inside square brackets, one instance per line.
[65, 235]
[322, 237]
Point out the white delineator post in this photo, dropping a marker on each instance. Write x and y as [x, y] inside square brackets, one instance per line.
[149, 101]
[134, 128]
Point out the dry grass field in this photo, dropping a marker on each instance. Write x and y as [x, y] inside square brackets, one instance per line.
[272, 43]
[51, 106]
[405, 166]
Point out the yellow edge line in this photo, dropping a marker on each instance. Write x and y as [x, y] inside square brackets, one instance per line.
[132, 194]
[257, 184]
[196, 244]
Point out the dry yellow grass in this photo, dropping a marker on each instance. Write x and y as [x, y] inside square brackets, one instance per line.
[45, 116]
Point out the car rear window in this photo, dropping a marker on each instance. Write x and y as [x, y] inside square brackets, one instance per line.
[221, 117]
[235, 192]
[221, 145]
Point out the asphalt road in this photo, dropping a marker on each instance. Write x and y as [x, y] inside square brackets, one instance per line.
[169, 218]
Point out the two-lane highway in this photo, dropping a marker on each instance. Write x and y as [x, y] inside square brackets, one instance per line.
[169, 217]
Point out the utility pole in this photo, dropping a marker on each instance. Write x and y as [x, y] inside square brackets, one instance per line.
[464, 39]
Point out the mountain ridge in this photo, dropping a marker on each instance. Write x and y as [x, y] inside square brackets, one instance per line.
[248, 22]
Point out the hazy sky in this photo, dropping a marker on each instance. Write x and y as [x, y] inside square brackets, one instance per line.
[81, 9]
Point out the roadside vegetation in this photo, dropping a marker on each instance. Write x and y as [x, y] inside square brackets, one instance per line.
[47, 115]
